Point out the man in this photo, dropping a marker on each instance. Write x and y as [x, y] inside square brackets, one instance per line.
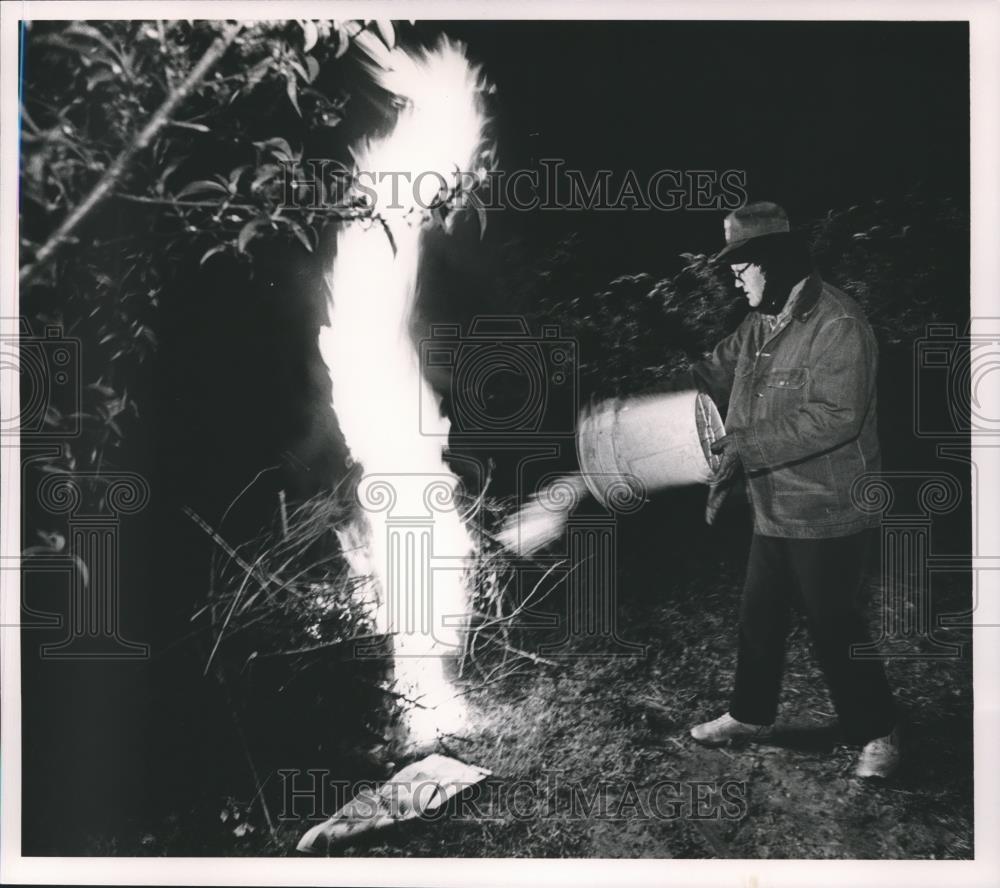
[799, 378]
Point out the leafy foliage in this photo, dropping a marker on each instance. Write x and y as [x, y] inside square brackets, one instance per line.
[289, 589]
[905, 261]
[211, 183]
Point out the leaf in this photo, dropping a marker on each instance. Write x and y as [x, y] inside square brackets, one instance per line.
[197, 127]
[147, 334]
[208, 254]
[256, 74]
[52, 539]
[166, 174]
[481, 215]
[277, 147]
[265, 174]
[313, 67]
[202, 186]
[386, 32]
[310, 34]
[248, 232]
[299, 232]
[374, 49]
[78, 29]
[291, 87]
[98, 78]
[343, 42]
[234, 176]
[61, 42]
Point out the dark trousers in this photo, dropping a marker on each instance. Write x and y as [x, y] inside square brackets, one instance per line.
[823, 577]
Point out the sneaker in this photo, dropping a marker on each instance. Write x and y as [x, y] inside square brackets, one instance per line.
[727, 729]
[880, 757]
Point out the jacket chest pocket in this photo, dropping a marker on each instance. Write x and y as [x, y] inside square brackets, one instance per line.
[793, 379]
[779, 391]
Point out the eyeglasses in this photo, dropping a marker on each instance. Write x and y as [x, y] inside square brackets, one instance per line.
[739, 271]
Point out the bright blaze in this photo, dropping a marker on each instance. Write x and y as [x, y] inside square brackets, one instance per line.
[377, 383]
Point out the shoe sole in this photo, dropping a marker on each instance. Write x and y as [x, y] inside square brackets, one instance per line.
[732, 742]
[875, 775]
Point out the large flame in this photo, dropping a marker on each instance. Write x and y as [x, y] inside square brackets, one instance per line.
[378, 388]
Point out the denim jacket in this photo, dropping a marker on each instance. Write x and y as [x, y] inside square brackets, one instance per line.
[802, 411]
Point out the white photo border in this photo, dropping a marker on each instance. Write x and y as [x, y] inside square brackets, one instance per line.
[984, 19]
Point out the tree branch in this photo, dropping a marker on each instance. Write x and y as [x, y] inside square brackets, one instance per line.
[103, 189]
[345, 212]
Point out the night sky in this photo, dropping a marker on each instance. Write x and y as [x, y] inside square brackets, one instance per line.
[820, 115]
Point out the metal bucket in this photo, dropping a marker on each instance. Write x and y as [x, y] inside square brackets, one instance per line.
[649, 442]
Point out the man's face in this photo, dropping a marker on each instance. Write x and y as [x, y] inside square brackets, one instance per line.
[750, 279]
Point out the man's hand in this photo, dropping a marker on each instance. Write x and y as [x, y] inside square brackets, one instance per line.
[721, 483]
[726, 448]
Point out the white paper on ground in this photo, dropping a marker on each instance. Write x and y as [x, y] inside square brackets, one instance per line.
[419, 788]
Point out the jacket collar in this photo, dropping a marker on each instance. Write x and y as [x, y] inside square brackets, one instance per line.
[808, 297]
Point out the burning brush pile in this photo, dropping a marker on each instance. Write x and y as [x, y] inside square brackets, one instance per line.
[304, 596]
[401, 566]
[288, 592]
[406, 560]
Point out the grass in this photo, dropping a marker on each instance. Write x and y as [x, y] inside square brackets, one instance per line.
[556, 734]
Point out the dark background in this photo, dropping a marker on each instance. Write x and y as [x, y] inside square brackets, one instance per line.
[819, 114]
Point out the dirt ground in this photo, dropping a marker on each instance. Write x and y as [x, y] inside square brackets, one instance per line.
[591, 757]
[617, 730]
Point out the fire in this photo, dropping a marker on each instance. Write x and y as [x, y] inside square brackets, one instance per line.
[377, 383]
